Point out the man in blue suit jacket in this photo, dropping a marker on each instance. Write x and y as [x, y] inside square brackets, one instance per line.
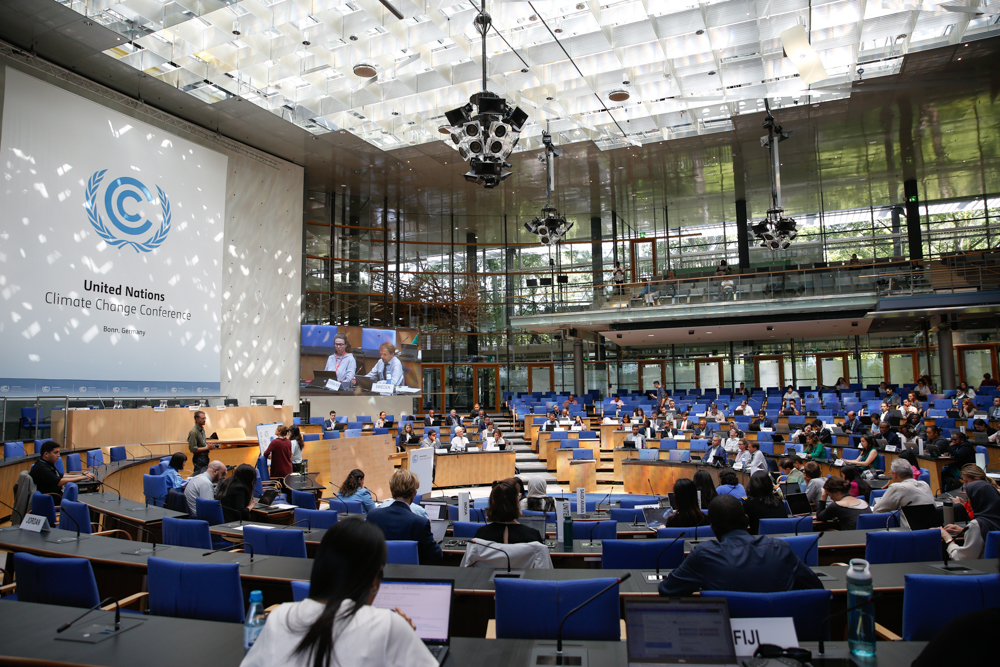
[398, 522]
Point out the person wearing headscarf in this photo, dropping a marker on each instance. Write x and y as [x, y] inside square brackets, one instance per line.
[985, 501]
[538, 500]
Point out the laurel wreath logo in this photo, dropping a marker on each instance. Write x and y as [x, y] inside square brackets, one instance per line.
[95, 219]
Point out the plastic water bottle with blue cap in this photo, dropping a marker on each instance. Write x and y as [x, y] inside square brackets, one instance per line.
[254, 622]
[860, 621]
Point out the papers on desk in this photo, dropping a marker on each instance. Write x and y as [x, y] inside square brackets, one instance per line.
[441, 450]
[839, 462]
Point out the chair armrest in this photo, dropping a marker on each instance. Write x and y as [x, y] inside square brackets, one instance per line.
[127, 601]
[885, 633]
[115, 530]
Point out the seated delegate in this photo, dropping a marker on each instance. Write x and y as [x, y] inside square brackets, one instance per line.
[837, 503]
[47, 477]
[353, 488]
[738, 561]
[985, 501]
[686, 512]
[173, 471]
[336, 624]
[729, 485]
[538, 499]
[238, 499]
[503, 513]
[399, 522]
[763, 501]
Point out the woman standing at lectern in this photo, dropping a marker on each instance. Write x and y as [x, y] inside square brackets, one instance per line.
[342, 362]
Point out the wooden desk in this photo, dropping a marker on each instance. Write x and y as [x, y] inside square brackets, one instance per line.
[662, 475]
[583, 474]
[472, 468]
[110, 428]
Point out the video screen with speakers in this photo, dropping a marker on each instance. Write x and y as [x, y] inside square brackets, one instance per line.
[348, 361]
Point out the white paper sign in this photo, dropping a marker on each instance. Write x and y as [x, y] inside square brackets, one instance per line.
[333, 385]
[422, 465]
[737, 466]
[35, 523]
[890, 448]
[750, 633]
[581, 501]
[463, 506]
[838, 462]
[382, 387]
[562, 511]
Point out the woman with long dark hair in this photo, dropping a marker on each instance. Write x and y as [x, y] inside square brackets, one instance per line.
[238, 501]
[867, 453]
[686, 512]
[704, 483]
[295, 436]
[337, 624]
[762, 501]
[353, 488]
[858, 487]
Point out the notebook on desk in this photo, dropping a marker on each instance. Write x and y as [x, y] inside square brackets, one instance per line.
[798, 504]
[679, 631]
[428, 604]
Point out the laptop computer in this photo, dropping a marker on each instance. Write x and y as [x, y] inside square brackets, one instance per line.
[922, 517]
[656, 517]
[536, 522]
[428, 604]
[436, 511]
[679, 631]
[978, 437]
[799, 505]
[266, 502]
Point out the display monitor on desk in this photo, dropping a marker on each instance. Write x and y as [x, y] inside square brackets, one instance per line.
[427, 602]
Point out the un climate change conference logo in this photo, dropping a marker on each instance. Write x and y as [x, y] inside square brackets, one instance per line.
[115, 194]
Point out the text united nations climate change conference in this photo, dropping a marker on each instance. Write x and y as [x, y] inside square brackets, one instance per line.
[57, 299]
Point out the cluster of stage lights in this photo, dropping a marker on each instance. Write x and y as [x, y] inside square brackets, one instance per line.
[486, 130]
[550, 227]
[776, 231]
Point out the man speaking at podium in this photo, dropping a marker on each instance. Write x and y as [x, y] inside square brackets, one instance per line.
[388, 369]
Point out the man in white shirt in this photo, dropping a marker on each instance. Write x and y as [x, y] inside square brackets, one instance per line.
[459, 443]
[203, 485]
[790, 394]
[758, 462]
[904, 490]
[388, 369]
[637, 439]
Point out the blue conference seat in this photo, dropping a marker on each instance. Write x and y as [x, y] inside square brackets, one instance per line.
[697, 533]
[806, 547]
[309, 437]
[300, 590]
[187, 533]
[74, 516]
[403, 552]
[176, 501]
[59, 581]
[71, 491]
[352, 433]
[95, 458]
[527, 609]
[931, 600]
[275, 542]
[465, 528]
[807, 608]
[583, 454]
[626, 515]
[209, 510]
[641, 554]
[304, 499]
[630, 503]
[668, 443]
[154, 487]
[903, 546]
[42, 504]
[73, 463]
[118, 454]
[595, 530]
[800, 524]
[881, 520]
[992, 548]
[318, 519]
[346, 506]
[13, 450]
[204, 591]
[32, 417]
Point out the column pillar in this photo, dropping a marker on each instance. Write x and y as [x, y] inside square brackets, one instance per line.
[578, 367]
[597, 253]
[742, 233]
[946, 357]
[471, 258]
[913, 219]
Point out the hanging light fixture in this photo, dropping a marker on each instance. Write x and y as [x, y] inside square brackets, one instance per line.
[549, 226]
[776, 231]
[486, 130]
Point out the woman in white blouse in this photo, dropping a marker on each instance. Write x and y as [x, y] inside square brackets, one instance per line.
[336, 624]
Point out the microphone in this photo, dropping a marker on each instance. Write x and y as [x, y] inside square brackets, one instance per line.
[657, 577]
[111, 500]
[890, 518]
[826, 620]
[580, 606]
[60, 540]
[147, 449]
[371, 491]
[489, 545]
[140, 551]
[651, 489]
[68, 624]
[245, 545]
[346, 508]
[597, 505]
[814, 544]
[305, 521]
[799, 523]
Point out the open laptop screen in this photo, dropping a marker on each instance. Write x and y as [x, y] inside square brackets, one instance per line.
[655, 516]
[798, 503]
[426, 602]
[679, 632]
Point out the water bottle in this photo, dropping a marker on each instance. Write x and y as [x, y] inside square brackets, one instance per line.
[568, 533]
[860, 621]
[254, 622]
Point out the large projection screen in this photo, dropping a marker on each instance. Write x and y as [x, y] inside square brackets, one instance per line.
[111, 255]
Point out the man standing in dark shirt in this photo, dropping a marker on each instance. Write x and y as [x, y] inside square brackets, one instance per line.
[46, 477]
[738, 561]
[196, 443]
